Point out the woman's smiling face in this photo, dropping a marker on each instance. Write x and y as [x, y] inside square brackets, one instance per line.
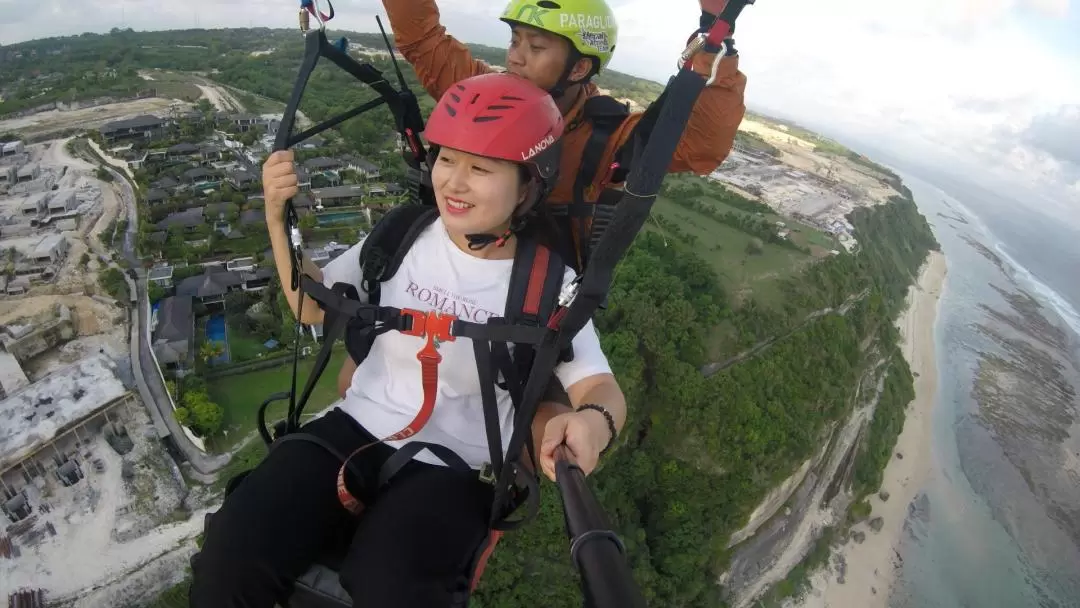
[476, 194]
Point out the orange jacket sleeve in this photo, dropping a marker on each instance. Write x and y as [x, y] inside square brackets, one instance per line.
[715, 119]
[437, 57]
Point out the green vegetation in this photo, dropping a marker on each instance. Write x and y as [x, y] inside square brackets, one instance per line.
[706, 281]
[112, 280]
[173, 597]
[755, 142]
[240, 395]
[697, 455]
[737, 235]
[197, 412]
[885, 428]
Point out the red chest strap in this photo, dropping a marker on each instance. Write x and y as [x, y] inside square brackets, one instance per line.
[436, 327]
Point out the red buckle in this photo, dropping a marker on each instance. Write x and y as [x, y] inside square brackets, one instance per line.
[410, 137]
[434, 325]
[718, 32]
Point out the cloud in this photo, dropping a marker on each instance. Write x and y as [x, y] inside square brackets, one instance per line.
[972, 85]
[1057, 134]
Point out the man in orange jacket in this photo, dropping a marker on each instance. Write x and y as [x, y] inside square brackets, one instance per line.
[560, 45]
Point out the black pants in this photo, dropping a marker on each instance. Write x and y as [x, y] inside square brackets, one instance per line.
[412, 545]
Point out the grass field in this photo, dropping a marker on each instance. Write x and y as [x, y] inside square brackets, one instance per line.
[241, 395]
[245, 347]
[173, 85]
[724, 247]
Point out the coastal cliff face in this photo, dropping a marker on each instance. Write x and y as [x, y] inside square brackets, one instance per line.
[778, 442]
[816, 504]
[794, 528]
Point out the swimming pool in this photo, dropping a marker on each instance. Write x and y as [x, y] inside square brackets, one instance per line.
[215, 332]
[338, 217]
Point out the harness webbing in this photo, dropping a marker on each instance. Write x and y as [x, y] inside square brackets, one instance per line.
[525, 378]
[651, 154]
[532, 294]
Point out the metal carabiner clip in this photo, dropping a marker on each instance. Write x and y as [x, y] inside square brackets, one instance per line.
[692, 48]
[309, 8]
[695, 46]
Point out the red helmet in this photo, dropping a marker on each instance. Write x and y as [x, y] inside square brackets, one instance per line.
[501, 116]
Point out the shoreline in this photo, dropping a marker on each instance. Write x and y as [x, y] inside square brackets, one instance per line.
[870, 566]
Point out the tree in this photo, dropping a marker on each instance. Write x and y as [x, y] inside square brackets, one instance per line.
[155, 292]
[200, 414]
[170, 385]
[210, 350]
[755, 246]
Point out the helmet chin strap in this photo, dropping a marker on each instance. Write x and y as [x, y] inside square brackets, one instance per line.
[481, 240]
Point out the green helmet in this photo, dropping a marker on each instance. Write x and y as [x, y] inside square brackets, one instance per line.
[588, 24]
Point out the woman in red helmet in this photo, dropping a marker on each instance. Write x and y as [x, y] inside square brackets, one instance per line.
[496, 156]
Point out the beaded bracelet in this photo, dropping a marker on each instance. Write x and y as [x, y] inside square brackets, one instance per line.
[610, 422]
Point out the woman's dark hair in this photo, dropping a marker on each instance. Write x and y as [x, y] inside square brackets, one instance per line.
[541, 225]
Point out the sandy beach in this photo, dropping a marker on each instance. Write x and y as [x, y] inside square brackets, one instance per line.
[870, 566]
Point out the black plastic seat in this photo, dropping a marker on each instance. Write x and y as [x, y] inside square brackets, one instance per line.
[319, 587]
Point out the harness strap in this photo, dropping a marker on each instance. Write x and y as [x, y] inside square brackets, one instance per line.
[333, 326]
[603, 213]
[495, 330]
[355, 506]
[341, 305]
[438, 328]
[484, 365]
[605, 115]
[405, 454]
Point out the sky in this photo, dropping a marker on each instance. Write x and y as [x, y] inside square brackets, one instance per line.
[984, 89]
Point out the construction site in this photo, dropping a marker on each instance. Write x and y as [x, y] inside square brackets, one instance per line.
[88, 492]
[794, 178]
[92, 505]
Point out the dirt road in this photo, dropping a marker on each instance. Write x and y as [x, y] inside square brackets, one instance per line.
[220, 98]
[54, 121]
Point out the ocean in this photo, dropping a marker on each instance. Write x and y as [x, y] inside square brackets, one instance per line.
[998, 521]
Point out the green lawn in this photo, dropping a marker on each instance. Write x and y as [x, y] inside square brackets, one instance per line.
[241, 395]
[725, 248]
[176, 90]
[801, 234]
[246, 347]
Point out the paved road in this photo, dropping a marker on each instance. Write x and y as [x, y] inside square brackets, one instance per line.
[147, 375]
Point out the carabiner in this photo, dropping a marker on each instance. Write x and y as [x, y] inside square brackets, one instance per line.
[310, 8]
[692, 48]
[686, 60]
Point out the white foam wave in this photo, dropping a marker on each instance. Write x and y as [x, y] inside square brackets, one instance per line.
[1042, 291]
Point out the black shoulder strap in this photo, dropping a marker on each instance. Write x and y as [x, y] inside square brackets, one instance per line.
[380, 257]
[389, 241]
[605, 114]
[535, 284]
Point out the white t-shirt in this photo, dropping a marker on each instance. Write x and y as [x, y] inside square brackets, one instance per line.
[386, 391]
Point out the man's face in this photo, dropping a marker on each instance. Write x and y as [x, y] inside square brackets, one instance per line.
[537, 55]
